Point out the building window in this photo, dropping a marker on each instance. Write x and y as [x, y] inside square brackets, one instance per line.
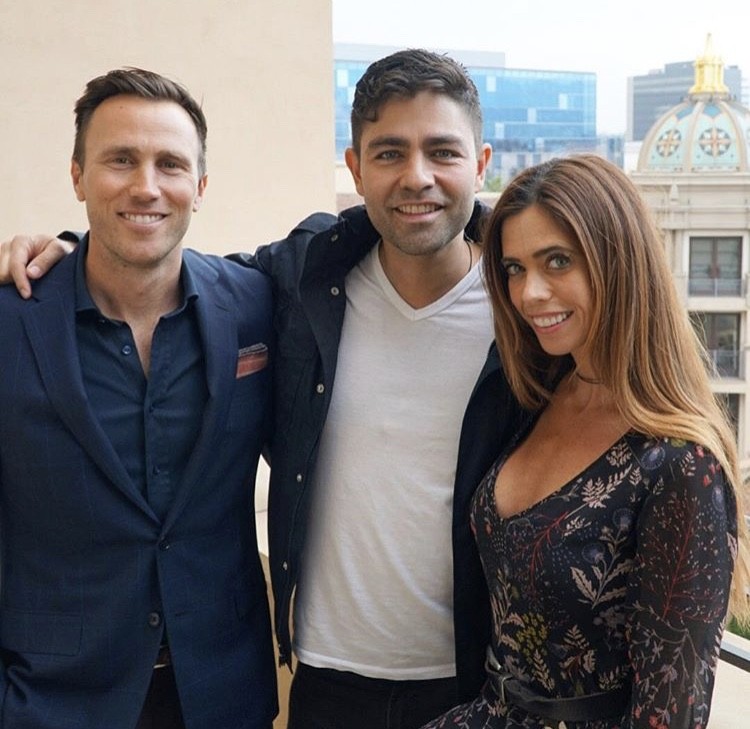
[731, 403]
[715, 266]
[720, 334]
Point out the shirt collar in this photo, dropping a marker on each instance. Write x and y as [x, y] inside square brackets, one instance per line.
[84, 302]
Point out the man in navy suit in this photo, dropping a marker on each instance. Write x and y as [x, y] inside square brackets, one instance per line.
[134, 402]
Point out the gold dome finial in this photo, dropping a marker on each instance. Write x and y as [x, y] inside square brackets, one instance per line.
[709, 73]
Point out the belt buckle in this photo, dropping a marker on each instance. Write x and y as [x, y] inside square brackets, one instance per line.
[163, 658]
[492, 665]
[503, 679]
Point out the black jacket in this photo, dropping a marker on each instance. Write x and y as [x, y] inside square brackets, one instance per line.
[308, 270]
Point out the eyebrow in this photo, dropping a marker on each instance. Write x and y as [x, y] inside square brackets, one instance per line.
[401, 142]
[122, 149]
[133, 151]
[541, 252]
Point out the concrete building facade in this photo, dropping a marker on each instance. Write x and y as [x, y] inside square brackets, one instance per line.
[269, 154]
[694, 172]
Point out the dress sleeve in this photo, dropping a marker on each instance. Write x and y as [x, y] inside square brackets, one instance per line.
[686, 543]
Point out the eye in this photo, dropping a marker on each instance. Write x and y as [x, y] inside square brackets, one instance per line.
[558, 261]
[171, 165]
[445, 154]
[388, 155]
[512, 269]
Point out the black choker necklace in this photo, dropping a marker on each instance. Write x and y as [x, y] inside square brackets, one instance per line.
[589, 380]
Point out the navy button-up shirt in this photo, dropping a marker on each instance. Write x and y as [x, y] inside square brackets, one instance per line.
[152, 423]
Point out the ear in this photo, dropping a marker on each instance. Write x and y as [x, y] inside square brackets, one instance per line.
[483, 161]
[200, 192]
[76, 173]
[352, 162]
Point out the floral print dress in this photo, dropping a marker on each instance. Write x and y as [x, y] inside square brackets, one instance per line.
[621, 576]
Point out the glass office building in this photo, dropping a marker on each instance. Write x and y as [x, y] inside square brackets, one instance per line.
[529, 115]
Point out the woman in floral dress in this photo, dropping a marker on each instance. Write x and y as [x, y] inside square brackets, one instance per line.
[609, 529]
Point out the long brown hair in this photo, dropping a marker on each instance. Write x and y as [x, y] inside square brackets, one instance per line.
[642, 344]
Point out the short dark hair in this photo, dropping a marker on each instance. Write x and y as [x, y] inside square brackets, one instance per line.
[143, 84]
[406, 73]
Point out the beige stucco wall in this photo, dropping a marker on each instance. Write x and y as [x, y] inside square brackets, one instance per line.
[263, 69]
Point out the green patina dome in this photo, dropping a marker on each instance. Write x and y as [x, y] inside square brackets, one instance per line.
[709, 131]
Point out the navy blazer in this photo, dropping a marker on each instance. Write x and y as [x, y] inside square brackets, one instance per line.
[90, 576]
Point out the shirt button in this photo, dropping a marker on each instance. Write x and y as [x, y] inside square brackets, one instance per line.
[154, 620]
[334, 237]
[164, 545]
[285, 566]
[299, 478]
[335, 290]
[127, 349]
[320, 388]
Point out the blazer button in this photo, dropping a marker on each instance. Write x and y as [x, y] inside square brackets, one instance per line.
[154, 620]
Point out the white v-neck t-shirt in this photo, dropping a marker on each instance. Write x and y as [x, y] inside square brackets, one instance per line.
[375, 594]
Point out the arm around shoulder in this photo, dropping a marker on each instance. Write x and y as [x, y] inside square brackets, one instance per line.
[25, 258]
[266, 257]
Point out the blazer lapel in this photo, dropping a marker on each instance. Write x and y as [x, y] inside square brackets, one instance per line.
[50, 326]
[218, 332]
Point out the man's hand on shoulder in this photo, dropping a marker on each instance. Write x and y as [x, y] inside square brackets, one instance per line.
[24, 258]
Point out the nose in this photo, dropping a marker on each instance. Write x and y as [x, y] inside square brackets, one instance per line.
[418, 174]
[535, 287]
[143, 183]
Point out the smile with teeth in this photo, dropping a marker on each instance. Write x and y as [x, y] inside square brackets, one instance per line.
[543, 322]
[419, 209]
[143, 218]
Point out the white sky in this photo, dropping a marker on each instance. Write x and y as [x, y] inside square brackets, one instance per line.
[613, 39]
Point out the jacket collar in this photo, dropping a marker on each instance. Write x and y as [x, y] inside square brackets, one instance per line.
[343, 246]
[50, 325]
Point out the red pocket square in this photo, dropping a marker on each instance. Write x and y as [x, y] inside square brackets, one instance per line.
[251, 359]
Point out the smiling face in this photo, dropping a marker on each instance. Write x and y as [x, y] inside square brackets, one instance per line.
[548, 281]
[418, 170]
[140, 182]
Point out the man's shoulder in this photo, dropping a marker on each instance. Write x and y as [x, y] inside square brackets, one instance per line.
[10, 298]
[213, 266]
[352, 221]
[58, 281]
[215, 276]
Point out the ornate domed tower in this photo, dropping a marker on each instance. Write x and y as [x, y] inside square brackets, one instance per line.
[708, 132]
[694, 171]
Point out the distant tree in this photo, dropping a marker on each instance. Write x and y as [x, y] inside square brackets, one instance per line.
[493, 183]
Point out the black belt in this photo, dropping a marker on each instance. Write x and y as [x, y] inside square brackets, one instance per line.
[510, 690]
[163, 658]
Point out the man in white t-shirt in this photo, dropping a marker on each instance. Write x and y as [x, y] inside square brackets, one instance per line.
[396, 414]
[389, 411]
